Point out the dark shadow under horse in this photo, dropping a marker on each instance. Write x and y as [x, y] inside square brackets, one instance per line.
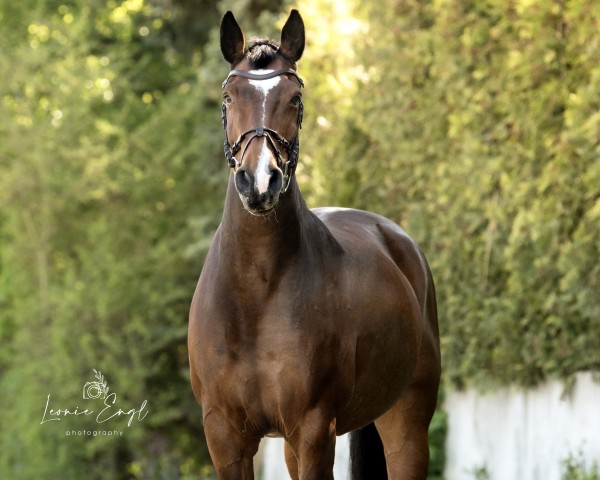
[305, 324]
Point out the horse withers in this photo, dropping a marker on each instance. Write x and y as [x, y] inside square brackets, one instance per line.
[305, 324]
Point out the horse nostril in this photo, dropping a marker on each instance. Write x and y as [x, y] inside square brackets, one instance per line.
[276, 181]
[244, 181]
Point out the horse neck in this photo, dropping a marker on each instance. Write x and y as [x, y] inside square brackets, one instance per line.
[270, 243]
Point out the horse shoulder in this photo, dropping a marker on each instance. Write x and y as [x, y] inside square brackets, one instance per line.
[353, 227]
[369, 235]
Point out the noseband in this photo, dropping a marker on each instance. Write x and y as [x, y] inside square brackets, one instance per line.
[273, 137]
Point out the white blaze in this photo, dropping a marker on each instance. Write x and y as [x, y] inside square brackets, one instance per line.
[262, 173]
[264, 87]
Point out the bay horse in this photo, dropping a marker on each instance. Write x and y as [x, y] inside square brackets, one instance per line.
[305, 324]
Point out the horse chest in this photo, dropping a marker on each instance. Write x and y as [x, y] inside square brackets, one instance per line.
[264, 387]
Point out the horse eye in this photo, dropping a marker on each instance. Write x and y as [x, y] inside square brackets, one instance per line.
[296, 99]
[226, 99]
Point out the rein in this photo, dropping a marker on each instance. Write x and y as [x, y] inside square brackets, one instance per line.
[273, 137]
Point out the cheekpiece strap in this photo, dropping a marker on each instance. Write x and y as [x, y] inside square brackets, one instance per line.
[262, 76]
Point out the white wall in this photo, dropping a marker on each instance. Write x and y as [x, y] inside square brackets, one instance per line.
[513, 434]
[273, 462]
[522, 435]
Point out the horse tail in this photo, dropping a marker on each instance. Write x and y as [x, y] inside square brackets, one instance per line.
[367, 460]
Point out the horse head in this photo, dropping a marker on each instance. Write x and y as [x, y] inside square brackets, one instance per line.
[262, 110]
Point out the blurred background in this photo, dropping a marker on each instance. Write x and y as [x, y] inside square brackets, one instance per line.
[473, 124]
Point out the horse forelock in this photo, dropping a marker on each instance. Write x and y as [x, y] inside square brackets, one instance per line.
[261, 52]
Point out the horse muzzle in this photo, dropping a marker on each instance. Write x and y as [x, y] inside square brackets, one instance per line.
[259, 190]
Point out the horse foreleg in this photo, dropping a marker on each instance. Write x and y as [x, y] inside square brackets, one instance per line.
[230, 451]
[291, 461]
[404, 432]
[313, 447]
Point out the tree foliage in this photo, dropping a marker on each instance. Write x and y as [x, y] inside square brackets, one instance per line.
[111, 186]
[473, 124]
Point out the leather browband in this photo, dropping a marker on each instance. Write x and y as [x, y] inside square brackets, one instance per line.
[262, 76]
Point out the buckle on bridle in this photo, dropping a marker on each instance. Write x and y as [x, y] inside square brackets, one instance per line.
[287, 177]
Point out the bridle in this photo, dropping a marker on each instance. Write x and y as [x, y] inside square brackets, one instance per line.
[273, 137]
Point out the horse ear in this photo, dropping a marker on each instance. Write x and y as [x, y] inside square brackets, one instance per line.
[292, 37]
[232, 38]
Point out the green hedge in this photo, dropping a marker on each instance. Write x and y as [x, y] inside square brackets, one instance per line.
[476, 126]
